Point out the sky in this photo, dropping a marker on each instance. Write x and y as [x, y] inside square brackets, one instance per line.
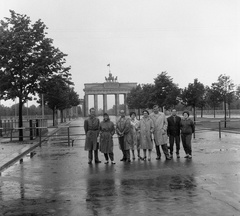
[141, 38]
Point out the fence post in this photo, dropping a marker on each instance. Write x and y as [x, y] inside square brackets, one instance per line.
[31, 129]
[37, 125]
[219, 129]
[68, 136]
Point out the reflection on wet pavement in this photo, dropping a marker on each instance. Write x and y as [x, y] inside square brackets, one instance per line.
[58, 181]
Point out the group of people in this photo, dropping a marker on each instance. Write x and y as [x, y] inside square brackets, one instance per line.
[133, 135]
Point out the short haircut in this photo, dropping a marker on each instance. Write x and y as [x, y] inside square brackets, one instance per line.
[145, 111]
[91, 109]
[174, 110]
[105, 114]
[131, 113]
[155, 106]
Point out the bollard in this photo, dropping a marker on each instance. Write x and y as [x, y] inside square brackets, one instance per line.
[31, 129]
[68, 136]
[219, 129]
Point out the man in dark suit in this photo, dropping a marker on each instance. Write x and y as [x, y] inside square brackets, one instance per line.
[173, 132]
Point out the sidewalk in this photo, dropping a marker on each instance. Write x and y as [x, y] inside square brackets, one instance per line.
[10, 151]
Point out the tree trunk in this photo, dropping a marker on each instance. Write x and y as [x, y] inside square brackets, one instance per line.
[61, 111]
[194, 113]
[139, 113]
[229, 110]
[225, 112]
[53, 116]
[20, 119]
[214, 109]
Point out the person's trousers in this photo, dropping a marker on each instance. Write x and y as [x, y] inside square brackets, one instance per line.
[164, 149]
[175, 139]
[109, 155]
[186, 141]
[90, 155]
[126, 153]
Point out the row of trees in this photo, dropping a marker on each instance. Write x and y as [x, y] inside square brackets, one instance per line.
[167, 94]
[30, 65]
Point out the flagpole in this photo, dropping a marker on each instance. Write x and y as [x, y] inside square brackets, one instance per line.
[109, 67]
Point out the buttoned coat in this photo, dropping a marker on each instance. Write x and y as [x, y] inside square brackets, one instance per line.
[160, 128]
[173, 126]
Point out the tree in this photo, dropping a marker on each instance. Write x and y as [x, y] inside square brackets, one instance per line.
[135, 99]
[238, 92]
[213, 98]
[56, 92]
[224, 86]
[193, 95]
[165, 91]
[26, 57]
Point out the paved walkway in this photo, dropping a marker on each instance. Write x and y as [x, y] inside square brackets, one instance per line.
[58, 181]
[9, 150]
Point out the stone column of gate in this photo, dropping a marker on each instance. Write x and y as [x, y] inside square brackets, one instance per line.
[116, 104]
[86, 105]
[125, 104]
[104, 103]
[96, 103]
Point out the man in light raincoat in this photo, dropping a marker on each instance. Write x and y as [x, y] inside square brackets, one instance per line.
[160, 132]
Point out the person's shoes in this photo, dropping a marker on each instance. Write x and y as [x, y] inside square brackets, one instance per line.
[128, 160]
[106, 162]
[123, 159]
[133, 158]
[139, 157]
[158, 158]
[113, 162]
[178, 156]
[190, 157]
[98, 161]
[187, 156]
[89, 162]
[168, 158]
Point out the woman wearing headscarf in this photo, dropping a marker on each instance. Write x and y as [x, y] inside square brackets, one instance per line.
[107, 130]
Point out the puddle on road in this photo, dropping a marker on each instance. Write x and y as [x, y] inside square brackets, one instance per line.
[124, 196]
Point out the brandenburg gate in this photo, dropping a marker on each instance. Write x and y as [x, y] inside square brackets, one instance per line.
[110, 87]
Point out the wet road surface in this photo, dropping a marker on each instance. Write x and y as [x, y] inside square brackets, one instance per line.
[58, 181]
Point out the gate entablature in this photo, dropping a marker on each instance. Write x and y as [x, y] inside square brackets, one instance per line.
[110, 87]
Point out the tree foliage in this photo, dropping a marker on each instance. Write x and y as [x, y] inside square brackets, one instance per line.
[193, 95]
[165, 91]
[27, 56]
[58, 94]
[225, 87]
